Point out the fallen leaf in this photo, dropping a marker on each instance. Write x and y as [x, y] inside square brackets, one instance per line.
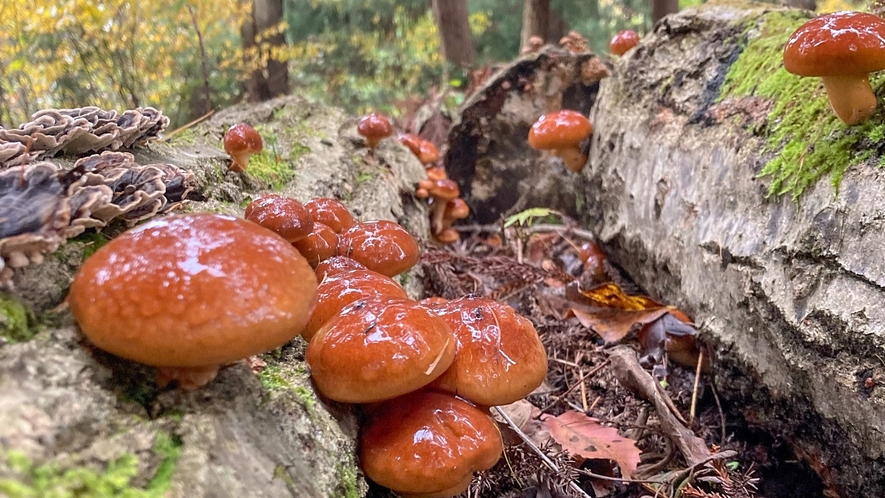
[614, 324]
[609, 295]
[672, 334]
[585, 438]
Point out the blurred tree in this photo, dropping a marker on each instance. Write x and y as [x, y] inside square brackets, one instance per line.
[535, 21]
[263, 36]
[453, 24]
[660, 8]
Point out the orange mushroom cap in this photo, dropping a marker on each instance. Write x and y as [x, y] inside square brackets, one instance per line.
[428, 444]
[241, 141]
[337, 291]
[382, 246]
[193, 291]
[379, 348]
[623, 41]
[320, 244]
[557, 130]
[499, 357]
[283, 215]
[335, 265]
[374, 127]
[330, 212]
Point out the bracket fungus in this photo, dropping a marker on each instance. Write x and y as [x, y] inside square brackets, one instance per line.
[562, 132]
[428, 444]
[191, 293]
[623, 41]
[379, 348]
[240, 142]
[842, 48]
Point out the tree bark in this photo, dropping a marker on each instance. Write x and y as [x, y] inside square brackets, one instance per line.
[456, 40]
[660, 8]
[272, 79]
[535, 21]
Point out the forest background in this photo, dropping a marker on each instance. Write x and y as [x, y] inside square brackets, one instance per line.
[188, 57]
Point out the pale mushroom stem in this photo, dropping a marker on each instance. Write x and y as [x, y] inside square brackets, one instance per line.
[187, 378]
[851, 97]
[239, 162]
[573, 158]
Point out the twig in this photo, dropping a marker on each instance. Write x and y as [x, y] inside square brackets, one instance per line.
[694, 391]
[574, 386]
[531, 444]
[183, 127]
[206, 88]
[721, 413]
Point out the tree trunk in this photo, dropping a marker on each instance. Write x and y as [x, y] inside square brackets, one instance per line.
[271, 80]
[660, 8]
[535, 21]
[454, 31]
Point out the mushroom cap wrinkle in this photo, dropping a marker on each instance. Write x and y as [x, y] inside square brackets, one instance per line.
[838, 44]
[193, 291]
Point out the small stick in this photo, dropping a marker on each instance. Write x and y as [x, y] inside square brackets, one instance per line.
[531, 444]
[584, 393]
[574, 386]
[181, 128]
[595, 402]
[694, 392]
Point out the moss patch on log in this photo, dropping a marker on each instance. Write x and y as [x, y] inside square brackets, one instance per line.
[16, 320]
[808, 140]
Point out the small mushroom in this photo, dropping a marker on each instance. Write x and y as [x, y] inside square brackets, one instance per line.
[499, 358]
[191, 293]
[241, 141]
[623, 41]
[842, 48]
[562, 132]
[424, 150]
[382, 246]
[428, 444]
[374, 127]
[379, 348]
[440, 192]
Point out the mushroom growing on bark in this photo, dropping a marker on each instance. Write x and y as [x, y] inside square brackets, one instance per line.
[842, 48]
[241, 141]
[374, 127]
[285, 216]
[623, 41]
[562, 132]
[191, 293]
[382, 246]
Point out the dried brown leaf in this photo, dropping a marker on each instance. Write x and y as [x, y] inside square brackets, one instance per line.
[584, 437]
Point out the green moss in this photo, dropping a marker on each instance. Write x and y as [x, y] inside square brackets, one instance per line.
[808, 140]
[92, 241]
[347, 484]
[272, 378]
[306, 396]
[184, 137]
[279, 472]
[17, 323]
[269, 167]
[51, 481]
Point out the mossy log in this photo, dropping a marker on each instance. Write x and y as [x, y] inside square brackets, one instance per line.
[725, 186]
[79, 421]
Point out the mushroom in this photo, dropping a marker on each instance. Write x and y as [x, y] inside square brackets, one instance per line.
[374, 127]
[379, 348]
[623, 41]
[842, 48]
[428, 444]
[190, 293]
[562, 132]
[337, 291]
[241, 141]
[320, 244]
[441, 192]
[456, 209]
[382, 246]
[499, 358]
[424, 150]
[330, 212]
[335, 265]
[283, 215]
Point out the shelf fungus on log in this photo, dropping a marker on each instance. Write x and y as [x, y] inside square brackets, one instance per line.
[78, 131]
[48, 204]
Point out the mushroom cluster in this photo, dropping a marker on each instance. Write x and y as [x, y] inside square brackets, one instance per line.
[52, 204]
[841, 48]
[76, 131]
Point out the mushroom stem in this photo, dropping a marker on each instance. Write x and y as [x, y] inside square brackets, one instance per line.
[573, 158]
[239, 162]
[851, 97]
[187, 378]
[437, 216]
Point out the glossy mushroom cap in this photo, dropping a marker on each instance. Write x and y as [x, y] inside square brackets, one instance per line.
[377, 349]
[842, 48]
[382, 246]
[335, 265]
[424, 150]
[330, 212]
[562, 132]
[240, 142]
[320, 244]
[285, 216]
[374, 127]
[336, 292]
[623, 41]
[193, 292]
[499, 358]
[428, 444]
